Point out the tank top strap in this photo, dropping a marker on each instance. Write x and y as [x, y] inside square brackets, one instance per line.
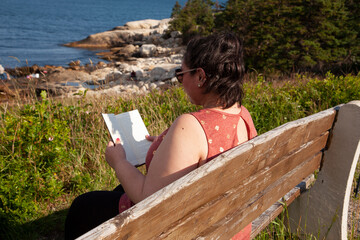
[245, 115]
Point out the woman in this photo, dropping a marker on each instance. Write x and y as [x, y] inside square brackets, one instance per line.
[211, 73]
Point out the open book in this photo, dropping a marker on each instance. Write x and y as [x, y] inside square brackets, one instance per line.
[131, 130]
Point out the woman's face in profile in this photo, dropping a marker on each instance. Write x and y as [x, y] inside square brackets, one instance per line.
[190, 84]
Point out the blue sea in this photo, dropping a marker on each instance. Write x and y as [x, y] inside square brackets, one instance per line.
[33, 31]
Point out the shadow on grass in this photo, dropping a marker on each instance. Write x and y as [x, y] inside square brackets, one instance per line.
[48, 227]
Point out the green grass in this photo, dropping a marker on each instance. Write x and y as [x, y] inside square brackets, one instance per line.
[53, 150]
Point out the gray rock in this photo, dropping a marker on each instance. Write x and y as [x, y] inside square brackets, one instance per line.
[175, 34]
[158, 73]
[114, 76]
[147, 50]
[163, 72]
[152, 86]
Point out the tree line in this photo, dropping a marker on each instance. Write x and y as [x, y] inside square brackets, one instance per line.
[281, 35]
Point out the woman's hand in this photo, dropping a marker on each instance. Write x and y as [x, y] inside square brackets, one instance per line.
[130, 177]
[114, 153]
[151, 138]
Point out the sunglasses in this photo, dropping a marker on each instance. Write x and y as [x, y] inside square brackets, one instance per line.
[179, 73]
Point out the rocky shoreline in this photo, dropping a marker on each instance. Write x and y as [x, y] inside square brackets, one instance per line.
[142, 56]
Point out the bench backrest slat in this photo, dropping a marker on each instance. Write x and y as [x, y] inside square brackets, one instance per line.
[196, 205]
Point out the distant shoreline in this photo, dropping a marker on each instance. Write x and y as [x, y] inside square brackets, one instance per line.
[104, 46]
[36, 31]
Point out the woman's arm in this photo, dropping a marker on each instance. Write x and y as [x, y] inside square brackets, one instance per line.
[179, 153]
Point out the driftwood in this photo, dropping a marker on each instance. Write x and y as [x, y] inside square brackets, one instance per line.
[245, 184]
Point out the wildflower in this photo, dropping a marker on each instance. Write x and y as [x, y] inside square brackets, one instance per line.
[50, 139]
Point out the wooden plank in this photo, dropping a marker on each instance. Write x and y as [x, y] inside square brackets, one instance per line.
[214, 179]
[294, 134]
[270, 214]
[212, 212]
[261, 222]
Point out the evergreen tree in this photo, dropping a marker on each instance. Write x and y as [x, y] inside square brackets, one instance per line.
[353, 25]
[195, 18]
[176, 10]
[290, 35]
[325, 43]
[266, 28]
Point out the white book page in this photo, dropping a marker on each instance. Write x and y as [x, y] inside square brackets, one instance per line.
[131, 130]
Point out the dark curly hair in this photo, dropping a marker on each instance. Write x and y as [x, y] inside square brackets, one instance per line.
[221, 57]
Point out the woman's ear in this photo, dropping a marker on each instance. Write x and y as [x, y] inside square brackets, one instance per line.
[202, 75]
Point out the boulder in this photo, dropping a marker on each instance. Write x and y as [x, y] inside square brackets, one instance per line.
[152, 86]
[128, 50]
[101, 73]
[67, 75]
[114, 76]
[143, 89]
[176, 58]
[3, 74]
[147, 50]
[146, 24]
[163, 72]
[131, 32]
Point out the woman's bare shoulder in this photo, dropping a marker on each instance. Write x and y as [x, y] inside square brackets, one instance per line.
[179, 153]
[188, 120]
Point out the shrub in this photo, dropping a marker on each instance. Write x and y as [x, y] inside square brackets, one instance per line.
[35, 146]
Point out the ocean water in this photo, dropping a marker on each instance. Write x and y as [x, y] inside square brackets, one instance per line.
[33, 31]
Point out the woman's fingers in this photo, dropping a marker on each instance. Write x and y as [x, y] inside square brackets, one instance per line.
[110, 144]
[114, 153]
[150, 138]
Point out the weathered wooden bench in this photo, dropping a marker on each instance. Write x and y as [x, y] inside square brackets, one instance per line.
[245, 185]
